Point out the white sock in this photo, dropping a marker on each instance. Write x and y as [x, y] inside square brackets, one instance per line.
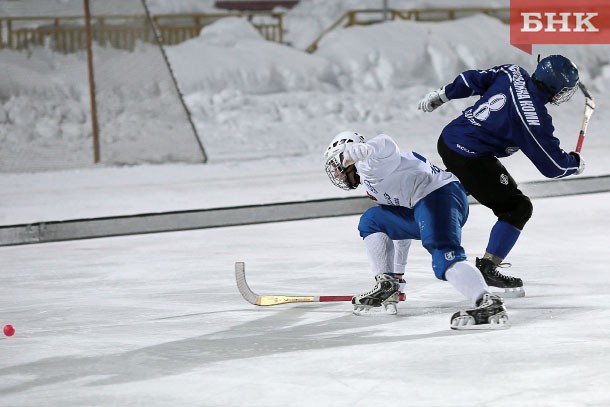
[401, 253]
[467, 279]
[380, 250]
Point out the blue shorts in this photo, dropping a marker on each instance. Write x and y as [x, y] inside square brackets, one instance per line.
[436, 220]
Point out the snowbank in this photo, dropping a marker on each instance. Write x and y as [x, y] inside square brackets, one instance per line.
[231, 54]
[254, 99]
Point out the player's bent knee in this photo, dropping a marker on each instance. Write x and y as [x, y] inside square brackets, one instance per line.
[520, 214]
[368, 224]
[526, 209]
[442, 259]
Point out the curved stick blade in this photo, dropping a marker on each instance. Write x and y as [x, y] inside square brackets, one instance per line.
[242, 285]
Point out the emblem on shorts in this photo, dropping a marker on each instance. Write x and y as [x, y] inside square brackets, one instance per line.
[504, 179]
[449, 256]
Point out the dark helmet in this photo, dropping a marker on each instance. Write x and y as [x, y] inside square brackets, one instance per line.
[557, 76]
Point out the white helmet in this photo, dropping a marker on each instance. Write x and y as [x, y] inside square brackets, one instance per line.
[334, 158]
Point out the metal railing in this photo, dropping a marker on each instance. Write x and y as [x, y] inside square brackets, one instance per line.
[72, 229]
[67, 34]
[372, 16]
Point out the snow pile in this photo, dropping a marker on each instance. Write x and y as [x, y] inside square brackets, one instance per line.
[45, 119]
[367, 78]
[403, 53]
[231, 54]
[309, 18]
[254, 99]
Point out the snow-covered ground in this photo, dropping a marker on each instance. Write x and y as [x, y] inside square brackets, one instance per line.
[265, 113]
[251, 99]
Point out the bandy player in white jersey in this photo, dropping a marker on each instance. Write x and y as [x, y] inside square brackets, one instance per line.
[417, 201]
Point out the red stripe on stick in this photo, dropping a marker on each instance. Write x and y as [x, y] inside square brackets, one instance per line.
[329, 298]
[581, 138]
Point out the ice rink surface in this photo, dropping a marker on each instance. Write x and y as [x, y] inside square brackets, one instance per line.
[156, 320]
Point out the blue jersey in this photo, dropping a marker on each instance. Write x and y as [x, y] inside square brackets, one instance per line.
[509, 116]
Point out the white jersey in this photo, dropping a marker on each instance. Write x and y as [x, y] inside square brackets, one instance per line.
[392, 177]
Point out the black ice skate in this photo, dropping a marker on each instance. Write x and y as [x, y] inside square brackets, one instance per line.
[512, 286]
[490, 313]
[382, 298]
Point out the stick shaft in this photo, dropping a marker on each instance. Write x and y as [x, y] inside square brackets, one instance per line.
[328, 298]
[589, 108]
[266, 300]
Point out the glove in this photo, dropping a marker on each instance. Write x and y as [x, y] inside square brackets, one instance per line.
[356, 152]
[433, 100]
[581, 162]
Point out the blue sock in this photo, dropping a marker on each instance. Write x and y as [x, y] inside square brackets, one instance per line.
[502, 239]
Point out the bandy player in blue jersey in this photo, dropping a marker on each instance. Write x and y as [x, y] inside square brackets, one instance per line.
[510, 115]
[417, 201]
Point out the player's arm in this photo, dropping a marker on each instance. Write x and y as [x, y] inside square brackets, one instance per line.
[466, 84]
[376, 158]
[378, 148]
[543, 149]
[471, 83]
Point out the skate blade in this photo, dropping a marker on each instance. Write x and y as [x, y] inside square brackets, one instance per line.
[367, 310]
[467, 323]
[509, 292]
